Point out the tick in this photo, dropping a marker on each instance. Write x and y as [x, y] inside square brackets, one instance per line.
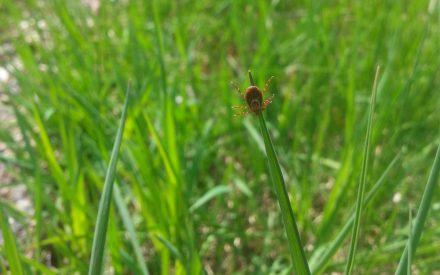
[254, 99]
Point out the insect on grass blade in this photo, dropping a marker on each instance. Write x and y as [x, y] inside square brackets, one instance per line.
[299, 261]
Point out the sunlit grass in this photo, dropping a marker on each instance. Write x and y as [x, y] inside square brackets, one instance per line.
[193, 191]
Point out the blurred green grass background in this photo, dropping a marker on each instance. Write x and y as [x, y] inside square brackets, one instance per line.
[193, 177]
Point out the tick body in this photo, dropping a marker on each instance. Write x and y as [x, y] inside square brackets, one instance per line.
[254, 99]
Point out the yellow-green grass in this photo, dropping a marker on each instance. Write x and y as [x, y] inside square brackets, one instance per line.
[193, 186]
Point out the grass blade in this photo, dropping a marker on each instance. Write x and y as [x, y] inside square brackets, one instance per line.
[95, 265]
[212, 193]
[10, 244]
[23, 125]
[318, 265]
[410, 240]
[128, 223]
[422, 214]
[299, 261]
[361, 189]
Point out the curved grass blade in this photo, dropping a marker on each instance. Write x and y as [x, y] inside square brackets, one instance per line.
[214, 192]
[299, 261]
[95, 265]
[421, 216]
[11, 249]
[361, 189]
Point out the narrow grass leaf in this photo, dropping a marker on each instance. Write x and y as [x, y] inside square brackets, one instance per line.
[171, 248]
[95, 265]
[410, 241]
[298, 257]
[10, 244]
[24, 127]
[320, 260]
[361, 189]
[52, 161]
[421, 216]
[128, 224]
[39, 267]
[214, 192]
[241, 185]
[166, 160]
[297, 254]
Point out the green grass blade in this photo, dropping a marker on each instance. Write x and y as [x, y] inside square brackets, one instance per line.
[10, 244]
[212, 193]
[128, 223]
[95, 265]
[38, 267]
[361, 189]
[23, 125]
[298, 256]
[166, 160]
[318, 265]
[421, 215]
[299, 261]
[410, 241]
[53, 164]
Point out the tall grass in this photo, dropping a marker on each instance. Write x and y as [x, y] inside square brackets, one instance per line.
[193, 191]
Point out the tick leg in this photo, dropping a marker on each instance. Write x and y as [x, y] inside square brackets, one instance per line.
[267, 84]
[239, 107]
[242, 114]
[238, 89]
[242, 110]
[267, 101]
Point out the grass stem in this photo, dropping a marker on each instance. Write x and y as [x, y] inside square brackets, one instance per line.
[361, 189]
[422, 214]
[98, 247]
[299, 261]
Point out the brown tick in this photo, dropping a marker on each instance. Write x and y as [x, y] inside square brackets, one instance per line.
[254, 99]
